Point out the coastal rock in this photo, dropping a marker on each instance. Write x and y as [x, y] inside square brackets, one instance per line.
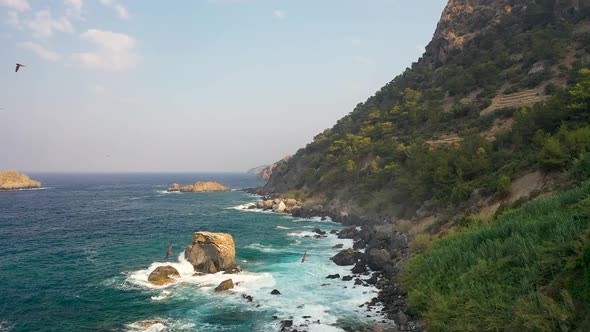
[346, 257]
[275, 292]
[13, 180]
[267, 171]
[378, 259]
[359, 267]
[198, 187]
[212, 252]
[333, 276]
[163, 275]
[318, 231]
[225, 285]
[348, 233]
[280, 207]
[338, 246]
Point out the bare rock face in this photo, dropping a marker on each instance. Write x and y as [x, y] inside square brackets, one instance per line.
[225, 285]
[198, 187]
[13, 180]
[266, 172]
[163, 275]
[346, 257]
[212, 252]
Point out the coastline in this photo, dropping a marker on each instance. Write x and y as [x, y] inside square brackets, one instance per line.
[381, 250]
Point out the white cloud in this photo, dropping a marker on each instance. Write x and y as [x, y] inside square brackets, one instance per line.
[279, 14]
[43, 24]
[74, 8]
[18, 5]
[117, 7]
[114, 51]
[41, 51]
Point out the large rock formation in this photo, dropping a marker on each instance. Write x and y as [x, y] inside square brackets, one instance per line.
[266, 172]
[212, 252]
[13, 180]
[198, 187]
[163, 275]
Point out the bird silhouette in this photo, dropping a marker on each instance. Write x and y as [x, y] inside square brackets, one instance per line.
[304, 257]
[18, 65]
[169, 252]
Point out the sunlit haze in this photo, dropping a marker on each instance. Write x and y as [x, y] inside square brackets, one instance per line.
[225, 85]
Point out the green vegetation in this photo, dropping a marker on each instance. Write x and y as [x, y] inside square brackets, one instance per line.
[529, 270]
[420, 138]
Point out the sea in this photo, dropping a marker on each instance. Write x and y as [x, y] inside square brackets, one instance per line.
[75, 256]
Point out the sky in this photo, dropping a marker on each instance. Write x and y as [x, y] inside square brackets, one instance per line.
[191, 86]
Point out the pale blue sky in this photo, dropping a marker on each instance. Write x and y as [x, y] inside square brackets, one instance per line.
[218, 85]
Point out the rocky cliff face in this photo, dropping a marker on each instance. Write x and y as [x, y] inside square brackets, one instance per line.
[198, 187]
[463, 20]
[13, 180]
[212, 252]
[267, 171]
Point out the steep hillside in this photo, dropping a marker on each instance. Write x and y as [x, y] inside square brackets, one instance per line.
[485, 104]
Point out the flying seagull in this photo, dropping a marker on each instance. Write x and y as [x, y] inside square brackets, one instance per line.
[169, 252]
[18, 65]
[304, 257]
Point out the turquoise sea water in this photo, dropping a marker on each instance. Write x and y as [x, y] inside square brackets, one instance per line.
[75, 257]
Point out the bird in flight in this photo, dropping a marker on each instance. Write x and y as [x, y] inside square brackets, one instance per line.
[18, 65]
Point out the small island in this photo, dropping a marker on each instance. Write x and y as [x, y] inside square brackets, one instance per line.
[13, 180]
[198, 187]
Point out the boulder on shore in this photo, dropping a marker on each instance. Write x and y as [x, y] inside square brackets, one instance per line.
[225, 285]
[163, 275]
[346, 257]
[212, 252]
[198, 187]
[13, 180]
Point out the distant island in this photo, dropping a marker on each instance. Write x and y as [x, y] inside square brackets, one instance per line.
[13, 180]
[198, 187]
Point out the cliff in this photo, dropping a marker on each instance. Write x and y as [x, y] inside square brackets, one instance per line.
[266, 172]
[198, 187]
[441, 131]
[13, 180]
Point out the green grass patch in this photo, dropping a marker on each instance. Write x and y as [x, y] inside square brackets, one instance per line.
[528, 270]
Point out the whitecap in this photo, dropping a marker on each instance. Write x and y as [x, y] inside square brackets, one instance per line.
[245, 280]
[260, 247]
[161, 297]
[282, 227]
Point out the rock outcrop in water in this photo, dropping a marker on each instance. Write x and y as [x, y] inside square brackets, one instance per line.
[212, 253]
[13, 180]
[163, 275]
[225, 285]
[198, 187]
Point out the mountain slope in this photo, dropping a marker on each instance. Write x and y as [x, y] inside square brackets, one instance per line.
[453, 125]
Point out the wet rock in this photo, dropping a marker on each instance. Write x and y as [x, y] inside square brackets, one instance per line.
[346, 257]
[286, 324]
[334, 231]
[360, 244]
[358, 282]
[348, 233]
[338, 246]
[318, 231]
[163, 275]
[275, 292]
[225, 285]
[347, 278]
[248, 298]
[373, 280]
[333, 276]
[359, 267]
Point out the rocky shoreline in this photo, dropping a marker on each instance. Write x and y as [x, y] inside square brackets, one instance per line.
[385, 249]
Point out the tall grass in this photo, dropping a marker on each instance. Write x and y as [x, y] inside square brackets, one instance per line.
[504, 276]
